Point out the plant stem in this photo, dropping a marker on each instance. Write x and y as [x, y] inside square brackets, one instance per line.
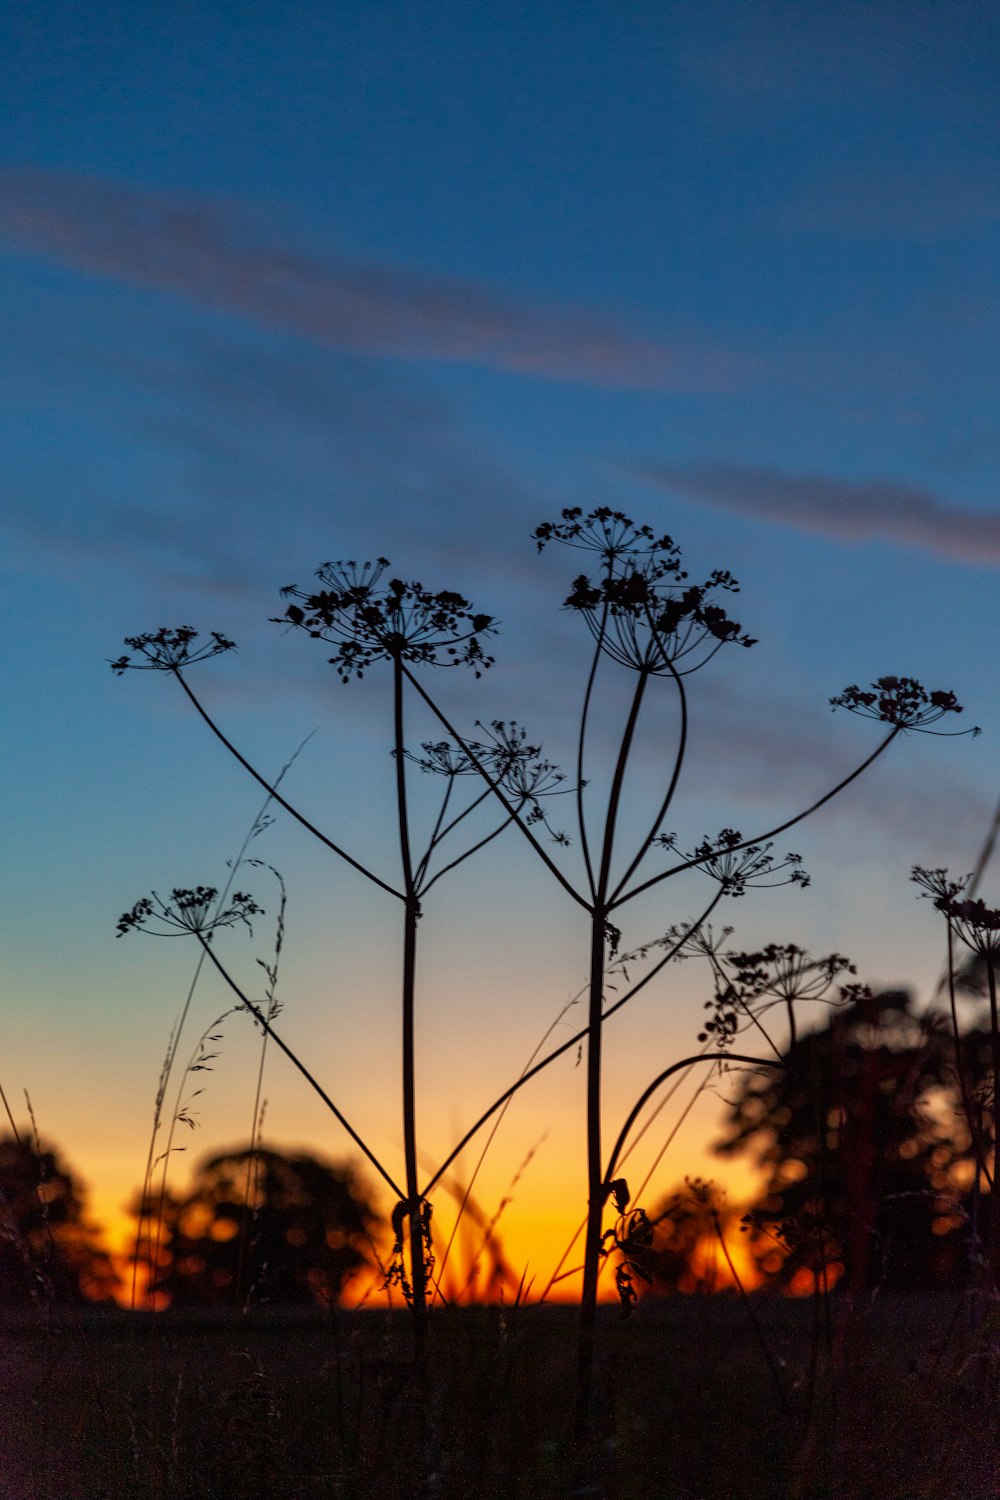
[646, 1095]
[668, 797]
[580, 746]
[994, 1258]
[273, 792]
[963, 1083]
[595, 1021]
[497, 791]
[760, 838]
[765, 1347]
[573, 1041]
[262, 1020]
[418, 1278]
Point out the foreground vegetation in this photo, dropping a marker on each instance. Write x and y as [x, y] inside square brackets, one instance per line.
[300, 1406]
[651, 629]
[877, 1133]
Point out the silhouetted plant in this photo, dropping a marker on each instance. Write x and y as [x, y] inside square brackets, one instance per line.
[405, 624]
[977, 927]
[644, 616]
[198, 914]
[161, 1161]
[402, 624]
[630, 1238]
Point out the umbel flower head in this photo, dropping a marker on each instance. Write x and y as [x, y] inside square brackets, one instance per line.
[902, 702]
[786, 972]
[188, 911]
[977, 924]
[641, 609]
[611, 534]
[749, 984]
[442, 758]
[168, 650]
[517, 767]
[400, 621]
[507, 747]
[737, 866]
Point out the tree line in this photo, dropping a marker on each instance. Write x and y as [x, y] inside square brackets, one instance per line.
[868, 1178]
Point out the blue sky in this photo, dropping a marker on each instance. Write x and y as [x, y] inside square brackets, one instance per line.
[287, 283]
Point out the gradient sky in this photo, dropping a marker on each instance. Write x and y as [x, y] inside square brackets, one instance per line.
[284, 283]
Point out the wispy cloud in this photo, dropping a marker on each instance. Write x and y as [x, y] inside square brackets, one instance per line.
[847, 510]
[221, 257]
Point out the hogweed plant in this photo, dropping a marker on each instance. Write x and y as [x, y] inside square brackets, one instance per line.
[404, 625]
[261, 822]
[400, 625]
[649, 623]
[748, 987]
[198, 913]
[645, 617]
[976, 926]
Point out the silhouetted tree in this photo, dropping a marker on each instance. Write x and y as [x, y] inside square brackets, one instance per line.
[49, 1251]
[683, 1255]
[866, 1147]
[262, 1227]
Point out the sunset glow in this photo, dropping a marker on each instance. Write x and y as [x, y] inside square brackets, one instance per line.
[291, 288]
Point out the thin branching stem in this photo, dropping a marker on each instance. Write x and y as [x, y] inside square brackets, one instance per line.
[256, 827]
[418, 1275]
[689, 864]
[496, 1126]
[687, 1062]
[10, 1118]
[595, 1021]
[273, 792]
[748, 1306]
[551, 1057]
[580, 748]
[497, 790]
[603, 902]
[461, 858]
[703, 1084]
[671, 953]
[637, 1195]
[991, 979]
[970, 1114]
[297, 1062]
[508, 1093]
[400, 760]
[433, 840]
[668, 798]
[446, 832]
[179, 1110]
[257, 1114]
[440, 834]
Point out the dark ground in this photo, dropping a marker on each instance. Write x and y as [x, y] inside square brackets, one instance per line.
[317, 1407]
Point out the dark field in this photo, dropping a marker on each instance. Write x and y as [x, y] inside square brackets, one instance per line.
[280, 1407]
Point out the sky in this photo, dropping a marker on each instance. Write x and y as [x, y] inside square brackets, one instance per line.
[289, 283]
